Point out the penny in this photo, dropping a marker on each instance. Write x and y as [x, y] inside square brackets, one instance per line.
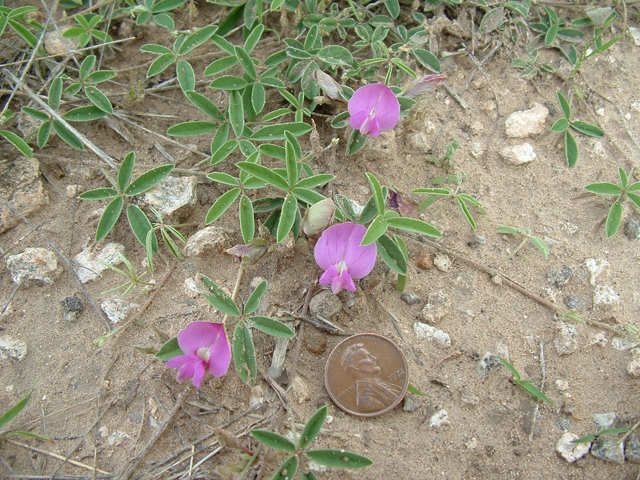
[366, 375]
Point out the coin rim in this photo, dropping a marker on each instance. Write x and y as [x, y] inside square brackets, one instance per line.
[384, 410]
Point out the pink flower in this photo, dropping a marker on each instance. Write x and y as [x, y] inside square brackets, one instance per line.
[374, 108]
[340, 255]
[206, 348]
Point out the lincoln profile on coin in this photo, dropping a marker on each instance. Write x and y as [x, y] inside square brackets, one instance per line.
[372, 394]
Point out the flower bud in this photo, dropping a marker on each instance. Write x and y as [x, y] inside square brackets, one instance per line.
[422, 84]
[329, 86]
[319, 217]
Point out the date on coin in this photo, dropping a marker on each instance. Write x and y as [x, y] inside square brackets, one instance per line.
[366, 375]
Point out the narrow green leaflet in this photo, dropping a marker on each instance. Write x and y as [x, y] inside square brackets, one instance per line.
[513, 371]
[186, 76]
[613, 219]
[88, 113]
[564, 104]
[247, 64]
[141, 226]
[247, 222]
[224, 178]
[587, 129]
[55, 92]
[391, 254]
[221, 205]
[315, 181]
[238, 351]
[250, 352]
[160, 64]
[170, 349]
[196, 39]
[288, 469]
[375, 230]
[287, 217]
[205, 105]
[356, 142]
[253, 302]
[541, 246]
[466, 212]
[313, 426]
[236, 113]
[271, 327]
[126, 170]
[98, 194]
[273, 440]
[492, 20]
[109, 218]
[277, 132]
[570, 149]
[339, 459]
[148, 180]
[376, 189]
[14, 411]
[560, 125]
[219, 298]
[264, 174]
[534, 391]
[191, 129]
[414, 225]
[220, 65]
[604, 188]
[306, 195]
[17, 142]
[229, 82]
[427, 59]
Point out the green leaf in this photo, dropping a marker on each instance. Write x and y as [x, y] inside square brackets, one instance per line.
[109, 218]
[551, 35]
[186, 76]
[171, 244]
[196, 39]
[224, 178]
[339, 459]
[560, 125]
[221, 205]
[148, 180]
[534, 391]
[237, 349]
[250, 352]
[313, 426]
[433, 191]
[229, 82]
[17, 142]
[272, 327]
[356, 142]
[369, 212]
[393, 7]
[160, 64]
[220, 65]
[37, 114]
[253, 38]
[605, 46]
[315, 181]
[427, 59]
[492, 20]
[55, 92]
[604, 188]
[391, 254]
[587, 129]
[88, 113]
[43, 134]
[414, 225]
[98, 194]
[258, 97]
[219, 298]
[191, 129]
[126, 170]
[166, 5]
[153, 48]
[466, 212]
[586, 439]
[24, 33]
[287, 217]
[541, 246]
[247, 222]
[86, 67]
[570, 149]
[376, 189]
[141, 226]
[165, 21]
[224, 151]
[635, 198]
[264, 174]
[375, 230]
[273, 440]
[170, 349]
[277, 132]
[14, 411]
[335, 55]
[634, 187]
[414, 390]
[613, 431]
[624, 179]
[292, 165]
[247, 64]
[564, 105]
[288, 469]
[513, 371]
[236, 112]
[613, 219]
[253, 302]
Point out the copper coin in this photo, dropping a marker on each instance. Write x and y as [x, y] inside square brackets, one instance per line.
[366, 375]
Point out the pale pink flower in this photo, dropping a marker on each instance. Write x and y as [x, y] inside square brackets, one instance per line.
[205, 348]
[339, 253]
[374, 108]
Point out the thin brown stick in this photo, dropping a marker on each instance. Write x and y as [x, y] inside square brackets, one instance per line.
[55, 455]
[133, 464]
[305, 309]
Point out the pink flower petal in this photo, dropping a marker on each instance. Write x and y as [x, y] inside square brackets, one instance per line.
[357, 119]
[219, 356]
[373, 128]
[366, 98]
[359, 260]
[329, 275]
[332, 245]
[198, 374]
[336, 284]
[185, 365]
[347, 282]
[388, 110]
[199, 334]
[376, 102]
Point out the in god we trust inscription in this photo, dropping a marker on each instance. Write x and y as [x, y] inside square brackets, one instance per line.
[366, 375]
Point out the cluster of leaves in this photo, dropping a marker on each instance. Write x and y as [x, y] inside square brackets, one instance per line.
[12, 413]
[300, 454]
[243, 348]
[622, 191]
[527, 385]
[158, 11]
[526, 233]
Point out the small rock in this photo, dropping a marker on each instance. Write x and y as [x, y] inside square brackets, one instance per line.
[72, 308]
[633, 368]
[488, 363]
[20, 185]
[116, 438]
[34, 265]
[424, 331]
[12, 348]
[560, 277]
[518, 154]
[600, 112]
[530, 424]
[526, 123]
[565, 338]
[469, 398]
[173, 197]
[573, 302]
[442, 262]
[632, 448]
[440, 418]
[595, 267]
[417, 142]
[411, 403]
[635, 33]
[55, 44]
[410, 298]
[632, 229]
[135, 417]
[88, 261]
[477, 149]
[477, 240]
[257, 396]
[209, 238]
[116, 309]
[605, 296]
[74, 190]
[571, 451]
[598, 338]
[325, 304]
[609, 449]
[423, 261]
[191, 288]
[562, 385]
[381, 149]
[604, 420]
[624, 343]
[438, 306]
